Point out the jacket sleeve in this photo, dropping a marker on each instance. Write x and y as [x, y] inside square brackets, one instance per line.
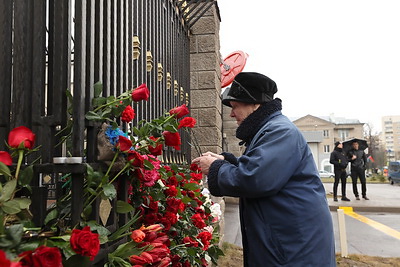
[230, 157]
[265, 167]
[333, 159]
[365, 160]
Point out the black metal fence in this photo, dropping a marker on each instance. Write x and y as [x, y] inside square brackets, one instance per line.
[47, 47]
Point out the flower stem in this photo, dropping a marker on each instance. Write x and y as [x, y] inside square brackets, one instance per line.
[110, 103]
[20, 158]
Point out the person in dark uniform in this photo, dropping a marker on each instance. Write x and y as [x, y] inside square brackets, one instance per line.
[358, 161]
[339, 161]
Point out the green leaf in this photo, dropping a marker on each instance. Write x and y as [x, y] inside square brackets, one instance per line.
[8, 190]
[191, 186]
[98, 89]
[109, 191]
[14, 233]
[4, 170]
[148, 165]
[11, 207]
[124, 228]
[86, 212]
[96, 102]
[26, 176]
[124, 207]
[93, 116]
[171, 128]
[23, 203]
[51, 216]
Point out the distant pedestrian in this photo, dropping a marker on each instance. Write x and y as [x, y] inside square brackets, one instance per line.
[358, 161]
[340, 162]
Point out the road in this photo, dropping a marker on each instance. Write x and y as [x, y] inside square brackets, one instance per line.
[374, 233]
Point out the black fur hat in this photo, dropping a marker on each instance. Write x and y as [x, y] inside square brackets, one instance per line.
[250, 87]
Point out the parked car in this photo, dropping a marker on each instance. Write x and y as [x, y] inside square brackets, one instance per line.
[325, 174]
[394, 172]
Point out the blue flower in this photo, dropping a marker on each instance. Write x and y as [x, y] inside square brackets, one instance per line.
[114, 134]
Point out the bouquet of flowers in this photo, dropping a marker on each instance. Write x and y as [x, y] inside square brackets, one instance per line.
[172, 220]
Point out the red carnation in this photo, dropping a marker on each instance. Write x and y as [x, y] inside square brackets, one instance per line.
[190, 242]
[128, 114]
[85, 243]
[198, 221]
[172, 139]
[141, 93]
[179, 111]
[124, 144]
[171, 191]
[5, 158]
[20, 135]
[187, 122]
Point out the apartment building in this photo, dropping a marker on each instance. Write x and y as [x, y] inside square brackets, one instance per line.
[391, 137]
[321, 134]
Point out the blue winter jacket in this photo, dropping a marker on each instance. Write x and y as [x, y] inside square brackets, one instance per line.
[284, 213]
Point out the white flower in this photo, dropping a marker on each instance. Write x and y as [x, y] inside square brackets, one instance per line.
[216, 211]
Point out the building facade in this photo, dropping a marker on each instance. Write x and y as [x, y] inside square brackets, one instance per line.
[321, 134]
[391, 137]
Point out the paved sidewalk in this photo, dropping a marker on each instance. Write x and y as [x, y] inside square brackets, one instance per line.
[383, 198]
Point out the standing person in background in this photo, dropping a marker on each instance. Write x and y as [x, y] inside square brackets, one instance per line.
[339, 161]
[358, 161]
[284, 214]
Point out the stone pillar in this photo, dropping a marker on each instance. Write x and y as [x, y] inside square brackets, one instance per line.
[205, 82]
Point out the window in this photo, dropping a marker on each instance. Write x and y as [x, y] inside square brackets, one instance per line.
[343, 134]
[326, 133]
[326, 149]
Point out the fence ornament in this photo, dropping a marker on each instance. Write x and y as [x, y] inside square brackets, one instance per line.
[170, 219]
[135, 47]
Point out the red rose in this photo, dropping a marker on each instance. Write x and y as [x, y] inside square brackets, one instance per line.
[172, 139]
[194, 167]
[85, 243]
[26, 258]
[135, 159]
[187, 122]
[20, 135]
[141, 93]
[124, 144]
[5, 158]
[3, 259]
[157, 150]
[179, 111]
[47, 257]
[138, 235]
[128, 114]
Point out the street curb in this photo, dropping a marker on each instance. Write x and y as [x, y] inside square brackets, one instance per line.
[369, 209]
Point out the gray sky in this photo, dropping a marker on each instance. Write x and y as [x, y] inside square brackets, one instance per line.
[340, 57]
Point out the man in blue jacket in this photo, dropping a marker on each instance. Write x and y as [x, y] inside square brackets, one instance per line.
[284, 214]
